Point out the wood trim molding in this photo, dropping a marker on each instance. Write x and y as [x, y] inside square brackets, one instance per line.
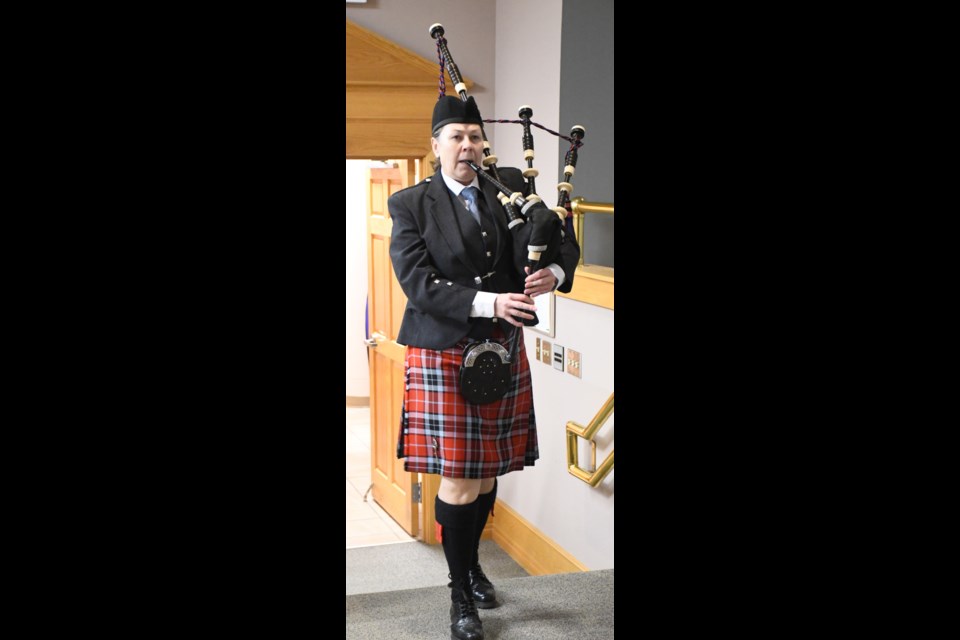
[430, 485]
[592, 284]
[528, 546]
[390, 94]
[375, 60]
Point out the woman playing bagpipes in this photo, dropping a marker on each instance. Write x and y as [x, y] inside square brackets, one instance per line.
[470, 288]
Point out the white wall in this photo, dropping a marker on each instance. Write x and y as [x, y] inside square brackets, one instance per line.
[358, 372]
[576, 516]
[525, 39]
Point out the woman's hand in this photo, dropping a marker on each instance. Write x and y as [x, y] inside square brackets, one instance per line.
[511, 306]
[538, 283]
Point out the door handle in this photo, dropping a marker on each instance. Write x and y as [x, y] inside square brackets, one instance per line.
[370, 342]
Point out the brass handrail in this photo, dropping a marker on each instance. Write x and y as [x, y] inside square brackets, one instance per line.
[576, 430]
[579, 206]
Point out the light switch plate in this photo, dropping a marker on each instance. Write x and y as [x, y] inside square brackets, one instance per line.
[546, 354]
[558, 357]
[573, 362]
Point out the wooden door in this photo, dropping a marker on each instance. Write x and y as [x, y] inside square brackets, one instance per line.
[393, 488]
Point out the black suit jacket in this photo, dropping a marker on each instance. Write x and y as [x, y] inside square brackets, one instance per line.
[438, 260]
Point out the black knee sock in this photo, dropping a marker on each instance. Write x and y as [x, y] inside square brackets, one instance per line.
[484, 506]
[458, 522]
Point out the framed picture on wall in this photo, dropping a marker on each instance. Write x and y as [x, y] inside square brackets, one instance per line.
[546, 305]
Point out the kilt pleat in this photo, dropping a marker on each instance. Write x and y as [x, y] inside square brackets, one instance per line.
[442, 433]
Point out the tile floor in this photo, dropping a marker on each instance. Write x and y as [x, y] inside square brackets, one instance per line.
[367, 523]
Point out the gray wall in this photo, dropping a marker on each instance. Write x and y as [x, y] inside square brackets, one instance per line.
[586, 98]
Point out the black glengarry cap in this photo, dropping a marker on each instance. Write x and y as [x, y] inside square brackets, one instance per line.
[452, 109]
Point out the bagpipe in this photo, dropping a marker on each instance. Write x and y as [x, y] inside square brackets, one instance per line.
[537, 230]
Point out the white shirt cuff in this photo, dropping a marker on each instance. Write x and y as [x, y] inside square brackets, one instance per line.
[483, 304]
[558, 272]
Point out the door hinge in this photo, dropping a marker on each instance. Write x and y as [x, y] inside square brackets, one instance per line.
[417, 493]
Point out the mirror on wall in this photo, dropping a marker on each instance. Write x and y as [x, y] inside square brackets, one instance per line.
[598, 239]
[593, 282]
[593, 223]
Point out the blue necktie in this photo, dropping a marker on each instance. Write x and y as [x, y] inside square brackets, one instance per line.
[470, 197]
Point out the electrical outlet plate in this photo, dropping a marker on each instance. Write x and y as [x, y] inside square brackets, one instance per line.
[573, 362]
[546, 354]
[558, 357]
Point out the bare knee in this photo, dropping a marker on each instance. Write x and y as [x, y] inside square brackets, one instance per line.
[459, 490]
[486, 485]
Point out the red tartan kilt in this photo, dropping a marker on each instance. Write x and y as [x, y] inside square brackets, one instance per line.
[442, 433]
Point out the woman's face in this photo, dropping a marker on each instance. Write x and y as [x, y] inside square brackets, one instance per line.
[457, 142]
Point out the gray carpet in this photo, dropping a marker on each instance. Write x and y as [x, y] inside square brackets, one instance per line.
[410, 565]
[567, 606]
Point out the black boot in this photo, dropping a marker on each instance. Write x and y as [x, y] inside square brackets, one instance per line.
[482, 589]
[480, 586]
[464, 621]
[457, 529]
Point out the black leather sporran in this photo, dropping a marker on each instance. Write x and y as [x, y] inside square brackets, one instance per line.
[485, 372]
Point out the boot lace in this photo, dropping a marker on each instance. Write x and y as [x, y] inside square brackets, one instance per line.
[465, 607]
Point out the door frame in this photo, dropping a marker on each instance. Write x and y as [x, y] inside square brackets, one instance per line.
[390, 94]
